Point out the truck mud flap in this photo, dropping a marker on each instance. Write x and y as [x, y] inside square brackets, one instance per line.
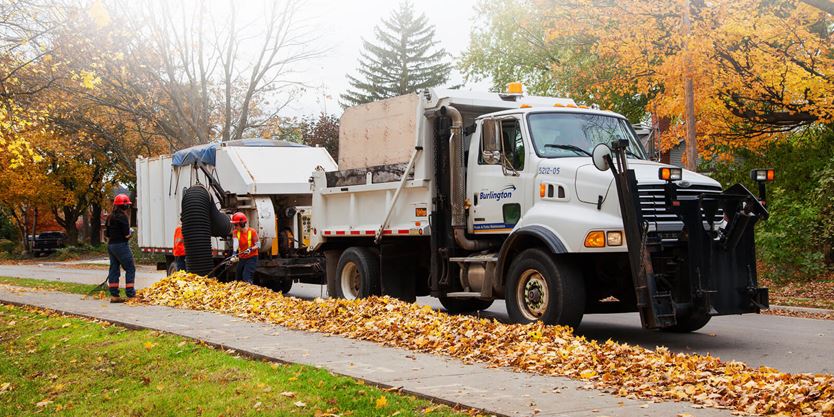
[398, 272]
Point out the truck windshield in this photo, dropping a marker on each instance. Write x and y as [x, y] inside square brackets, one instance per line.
[559, 135]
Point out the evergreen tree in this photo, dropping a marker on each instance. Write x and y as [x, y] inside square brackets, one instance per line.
[404, 59]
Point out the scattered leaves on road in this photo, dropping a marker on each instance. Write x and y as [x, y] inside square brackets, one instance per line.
[629, 371]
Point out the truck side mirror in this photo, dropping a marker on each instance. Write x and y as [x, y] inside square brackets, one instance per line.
[490, 142]
[599, 156]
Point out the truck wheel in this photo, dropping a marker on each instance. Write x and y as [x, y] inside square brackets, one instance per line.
[464, 305]
[357, 274]
[276, 284]
[541, 289]
[689, 322]
[285, 286]
[172, 267]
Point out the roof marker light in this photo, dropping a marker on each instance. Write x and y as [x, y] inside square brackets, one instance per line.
[515, 88]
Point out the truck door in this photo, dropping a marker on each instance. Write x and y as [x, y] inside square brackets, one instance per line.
[497, 180]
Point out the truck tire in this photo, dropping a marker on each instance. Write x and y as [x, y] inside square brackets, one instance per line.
[464, 305]
[172, 267]
[541, 289]
[689, 322]
[357, 274]
[278, 285]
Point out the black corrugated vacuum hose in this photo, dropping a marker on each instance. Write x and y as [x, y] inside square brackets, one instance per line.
[200, 221]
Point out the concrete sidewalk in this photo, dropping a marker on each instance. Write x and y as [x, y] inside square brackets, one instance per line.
[498, 391]
[55, 271]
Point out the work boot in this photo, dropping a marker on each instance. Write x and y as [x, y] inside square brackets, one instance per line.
[116, 299]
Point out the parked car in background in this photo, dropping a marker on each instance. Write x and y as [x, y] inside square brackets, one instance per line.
[47, 242]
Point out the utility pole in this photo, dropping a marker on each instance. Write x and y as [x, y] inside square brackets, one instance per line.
[689, 95]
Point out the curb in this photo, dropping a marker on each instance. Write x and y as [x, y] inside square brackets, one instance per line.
[257, 356]
[802, 309]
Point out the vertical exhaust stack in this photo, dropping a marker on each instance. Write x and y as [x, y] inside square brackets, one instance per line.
[457, 184]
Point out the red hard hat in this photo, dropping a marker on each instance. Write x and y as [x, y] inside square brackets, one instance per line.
[238, 218]
[122, 200]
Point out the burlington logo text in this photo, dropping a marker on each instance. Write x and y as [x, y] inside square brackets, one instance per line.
[506, 192]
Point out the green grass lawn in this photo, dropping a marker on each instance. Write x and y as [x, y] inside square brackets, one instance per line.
[70, 287]
[57, 365]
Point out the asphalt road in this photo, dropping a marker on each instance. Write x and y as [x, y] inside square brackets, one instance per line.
[785, 343]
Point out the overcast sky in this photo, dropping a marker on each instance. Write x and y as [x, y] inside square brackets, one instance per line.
[340, 27]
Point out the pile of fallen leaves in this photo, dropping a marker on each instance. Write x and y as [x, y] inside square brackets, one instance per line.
[629, 371]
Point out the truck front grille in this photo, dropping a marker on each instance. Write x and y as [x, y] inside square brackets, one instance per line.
[653, 206]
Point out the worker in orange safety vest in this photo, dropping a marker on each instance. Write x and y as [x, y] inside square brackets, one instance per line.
[246, 244]
[179, 248]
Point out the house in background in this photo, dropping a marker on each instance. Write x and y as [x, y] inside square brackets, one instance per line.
[649, 136]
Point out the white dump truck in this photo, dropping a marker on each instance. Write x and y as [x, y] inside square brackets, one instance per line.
[554, 207]
[267, 180]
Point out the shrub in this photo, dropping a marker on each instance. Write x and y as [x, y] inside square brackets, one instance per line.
[795, 242]
[7, 246]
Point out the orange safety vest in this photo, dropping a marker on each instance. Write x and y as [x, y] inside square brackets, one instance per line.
[242, 245]
[179, 243]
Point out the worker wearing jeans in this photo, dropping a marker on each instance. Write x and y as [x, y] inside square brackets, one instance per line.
[118, 234]
[246, 244]
[121, 256]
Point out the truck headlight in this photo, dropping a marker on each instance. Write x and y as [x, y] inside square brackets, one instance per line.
[670, 173]
[615, 238]
[762, 175]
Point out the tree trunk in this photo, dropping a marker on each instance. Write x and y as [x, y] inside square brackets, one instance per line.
[95, 225]
[691, 141]
[34, 226]
[69, 219]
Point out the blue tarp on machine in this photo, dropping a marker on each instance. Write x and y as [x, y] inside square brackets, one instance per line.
[207, 153]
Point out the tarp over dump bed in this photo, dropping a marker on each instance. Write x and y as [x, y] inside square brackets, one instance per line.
[207, 153]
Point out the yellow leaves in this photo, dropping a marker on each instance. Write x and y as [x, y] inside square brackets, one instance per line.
[43, 403]
[5, 387]
[98, 12]
[630, 371]
[89, 79]
[149, 345]
[381, 402]
[587, 374]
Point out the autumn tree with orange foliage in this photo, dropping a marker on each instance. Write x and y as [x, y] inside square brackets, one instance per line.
[86, 88]
[760, 68]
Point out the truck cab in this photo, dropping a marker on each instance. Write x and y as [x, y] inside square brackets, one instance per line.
[533, 167]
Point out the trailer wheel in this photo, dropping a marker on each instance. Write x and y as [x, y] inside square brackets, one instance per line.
[541, 289]
[689, 322]
[357, 274]
[464, 305]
